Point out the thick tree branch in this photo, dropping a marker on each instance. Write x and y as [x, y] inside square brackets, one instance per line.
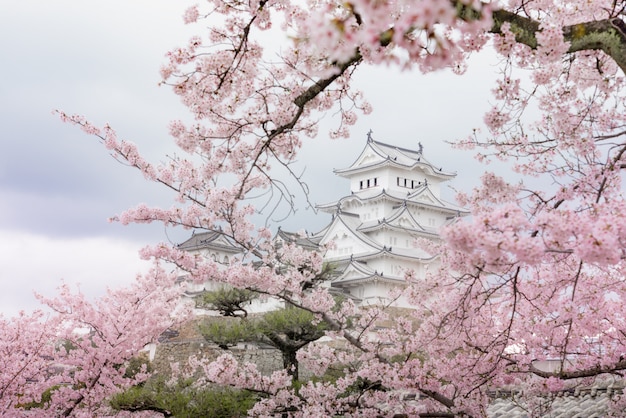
[321, 85]
[438, 397]
[608, 35]
[577, 374]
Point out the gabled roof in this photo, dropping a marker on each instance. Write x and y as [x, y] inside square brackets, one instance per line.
[350, 223]
[369, 195]
[421, 196]
[308, 242]
[357, 272]
[398, 221]
[395, 252]
[425, 196]
[212, 240]
[377, 154]
[402, 213]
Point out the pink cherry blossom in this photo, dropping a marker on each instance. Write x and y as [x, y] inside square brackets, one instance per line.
[534, 276]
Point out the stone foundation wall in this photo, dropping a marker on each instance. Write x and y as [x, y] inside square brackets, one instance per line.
[179, 351]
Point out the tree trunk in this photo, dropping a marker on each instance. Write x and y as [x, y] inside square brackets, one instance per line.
[290, 363]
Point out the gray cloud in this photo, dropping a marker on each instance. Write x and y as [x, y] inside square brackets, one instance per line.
[99, 59]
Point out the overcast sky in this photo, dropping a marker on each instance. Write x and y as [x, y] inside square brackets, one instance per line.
[100, 58]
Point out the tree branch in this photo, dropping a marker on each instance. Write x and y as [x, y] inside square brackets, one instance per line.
[607, 35]
[576, 374]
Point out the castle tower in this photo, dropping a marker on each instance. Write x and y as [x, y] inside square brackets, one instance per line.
[394, 199]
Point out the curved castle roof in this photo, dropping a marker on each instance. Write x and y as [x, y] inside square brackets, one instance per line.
[421, 196]
[378, 154]
[212, 240]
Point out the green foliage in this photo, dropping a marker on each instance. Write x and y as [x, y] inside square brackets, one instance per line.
[136, 365]
[46, 397]
[294, 323]
[183, 399]
[226, 332]
[289, 327]
[227, 301]
[287, 330]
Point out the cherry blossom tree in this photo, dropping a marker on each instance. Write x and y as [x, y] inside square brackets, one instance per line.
[534, 277]
[69, 359]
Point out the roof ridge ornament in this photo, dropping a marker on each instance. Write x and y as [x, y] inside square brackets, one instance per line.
[369, 136]
[420, 148]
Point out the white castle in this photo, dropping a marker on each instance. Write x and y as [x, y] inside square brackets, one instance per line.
[395, 198]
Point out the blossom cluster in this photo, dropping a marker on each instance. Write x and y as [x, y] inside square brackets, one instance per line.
[77, 351]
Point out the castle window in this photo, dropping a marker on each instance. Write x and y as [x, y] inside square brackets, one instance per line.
[408, 183]
[366, 184]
